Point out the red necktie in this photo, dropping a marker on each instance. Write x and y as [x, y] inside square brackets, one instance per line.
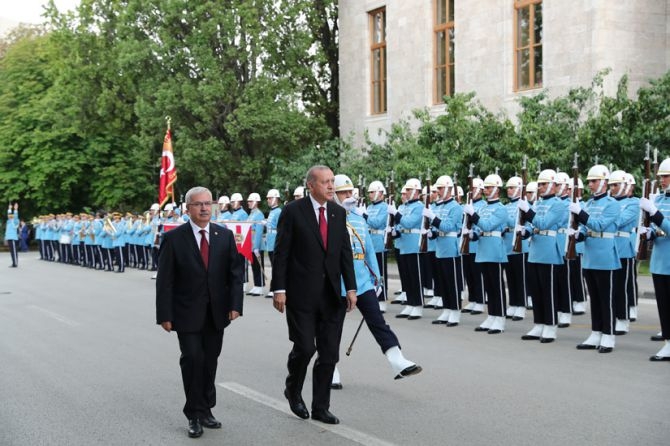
[323, 227]
[204, 248]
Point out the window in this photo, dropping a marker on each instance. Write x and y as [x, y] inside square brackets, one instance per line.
[528, 44]
[378, 61]
[443, 30]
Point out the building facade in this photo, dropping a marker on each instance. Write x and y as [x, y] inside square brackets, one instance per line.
[400, 55]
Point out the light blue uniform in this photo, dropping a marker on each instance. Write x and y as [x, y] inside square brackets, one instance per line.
[271, 228]
[448, 221]
[599, 229]
[660, 255]
[547, 217]
[490, 221]
[409, 225]
[256, 229]
[377, 220]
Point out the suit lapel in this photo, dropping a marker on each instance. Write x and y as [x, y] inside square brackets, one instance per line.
[310, 217]
[191, 241]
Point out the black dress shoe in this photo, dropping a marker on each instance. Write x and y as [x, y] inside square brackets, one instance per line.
[409, 371]
[563, 325]
[428, 306]
[297, 405]
[324, 416]
[656, 358]
[496, 331]
[402, 316]
[413, 318]
[194, 428]
[657, 337]
[474, 313]
[528, 337]
[465, 310]
[602, 349]
[210, 422]
[481, 329]
[620, 332]
[547, 340]
[517, 318]
[452, 324]
[438, 322]
[586, 347]
[336, 386]
[578, 313]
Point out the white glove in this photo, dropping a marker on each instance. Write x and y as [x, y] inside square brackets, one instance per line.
[389, 229]
[428, 213]
[391, 209]
[262, 222]
[469, 209]
[431, 234]
[571, 232]
[349, 204]
[523, 205]
[647, 206]
[361, 210]
[257, 252]
[644, 231]
[520, 229]
[465, 232]
[424, 231]
[575, 208]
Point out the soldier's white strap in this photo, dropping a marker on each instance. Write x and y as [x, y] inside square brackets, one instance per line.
[490, 234]
[377, 231]
[547, 232]
[562, 231]
[410, 231]
[447, 234]
[600, 234]
[622, 234]
[271, 231]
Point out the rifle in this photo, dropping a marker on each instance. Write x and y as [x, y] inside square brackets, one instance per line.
[642, 243]
[570, 251]
[518, 238]
[467, 221]
[423, 242]
[388, 241]
[361, 193]
[287, 194]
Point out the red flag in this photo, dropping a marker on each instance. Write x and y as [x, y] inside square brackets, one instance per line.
[242, 231]
[168, 170]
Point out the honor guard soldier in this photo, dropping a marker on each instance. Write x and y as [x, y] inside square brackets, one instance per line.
[597, 231]
[409, 223]
[659, 266]
[367, 283]
[237, 211]
[624, 278]
[224, 211]
[76, 239]
[258, 263]
[428, 262]
[394, 232]
[531, 197]
[12, 233]
[377, 219]
[471, 269]
[545, 256]
[273, 198]
[446, 218]
[299, 193]
[515, 268]
[576, 287]
[119, 241]
[489, 222]
[563, 302]
[630, 192]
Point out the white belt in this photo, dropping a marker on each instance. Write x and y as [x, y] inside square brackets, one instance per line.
[271, 231]
[562, 231]
[601, 234]
[490, 234]
[547, 232]
[622, 234]
[377, 231]
[447, 234]
[410, 231]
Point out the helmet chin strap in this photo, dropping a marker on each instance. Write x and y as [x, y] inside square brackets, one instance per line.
[601, 187]
[491, 196]
[550, 185]
[622, 189]
[560, 190]
[376, 196]
[411, 195]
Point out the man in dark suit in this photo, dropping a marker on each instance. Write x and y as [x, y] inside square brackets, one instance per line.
[312, 255]
[198, 293]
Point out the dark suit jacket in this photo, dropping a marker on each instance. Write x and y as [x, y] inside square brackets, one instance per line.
[184, 288]
[301, 264]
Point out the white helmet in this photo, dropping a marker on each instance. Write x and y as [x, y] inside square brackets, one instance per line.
[413, 183]
[531, 187]
[223, 199]
[477, 183]
[299, 192]
[254, 197]
[444, 181]
[169, 207]
[493, 180]
[459, 191]
[562, 178]
[618, 177]
[547, 176]
[155, 207]
[630, 179]
[664, 167]
[599, 172]
[377, 186]
[514, 182]
[236, 197]
[273, 193]
[343, 183]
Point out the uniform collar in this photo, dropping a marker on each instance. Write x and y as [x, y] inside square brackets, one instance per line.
[598, 197]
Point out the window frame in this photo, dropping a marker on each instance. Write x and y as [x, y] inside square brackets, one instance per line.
[381, 47]
[437, 29]
[531, 46]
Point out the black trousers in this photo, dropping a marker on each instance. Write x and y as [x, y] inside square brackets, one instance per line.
[427, 260]
[368, 305]
[315, 330]
[410, 269]
[14, 251]
[624, 288]
[494, 286]
[601, 289]
[515, 271]
[473, 278]
[662, 290]
[199, 357]
[545, 292]
[383, 268]
[257, 269]
[576, 279]
[449, 281]
[563, 302]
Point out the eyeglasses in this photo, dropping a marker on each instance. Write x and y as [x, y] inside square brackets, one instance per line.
[201, 204]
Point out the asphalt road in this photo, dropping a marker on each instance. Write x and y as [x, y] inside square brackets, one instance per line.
[83, 363]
